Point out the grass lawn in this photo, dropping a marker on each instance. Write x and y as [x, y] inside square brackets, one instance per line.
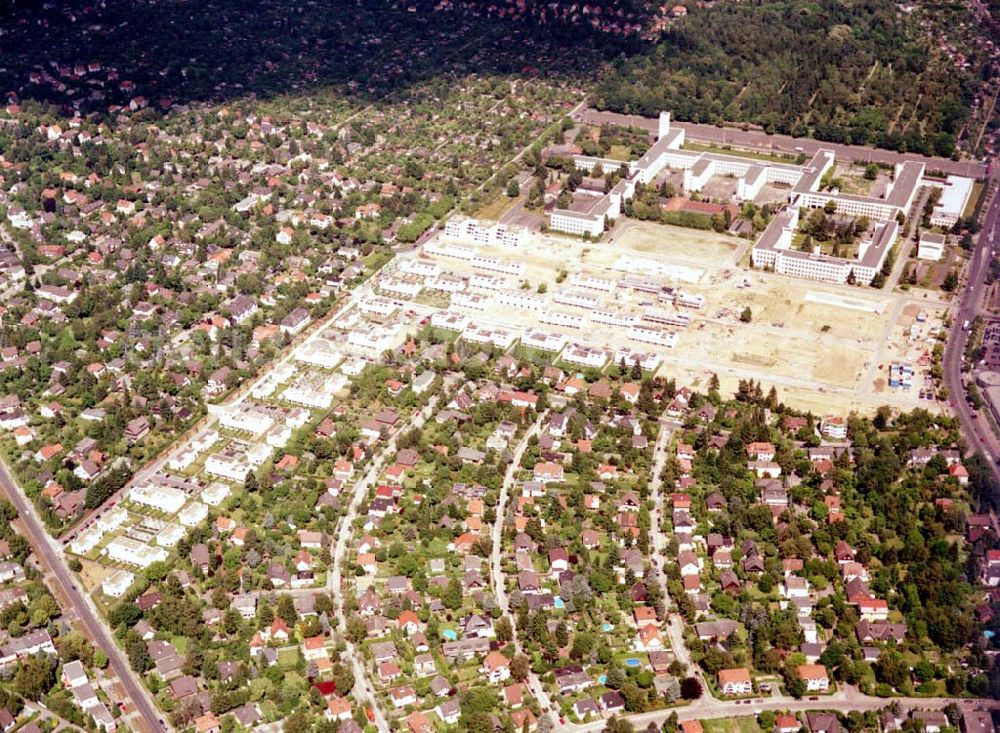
[620, 152]
[376, 259]
[974, 196]
[745, 724]
[288, 658]
[497, 207]
[700, 148]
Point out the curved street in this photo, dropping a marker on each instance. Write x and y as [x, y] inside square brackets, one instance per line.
[496, 570]
[363, 690]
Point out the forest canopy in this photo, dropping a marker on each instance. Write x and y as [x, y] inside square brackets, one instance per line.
[838, 71]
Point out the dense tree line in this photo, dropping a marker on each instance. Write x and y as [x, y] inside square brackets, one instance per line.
[833, 71]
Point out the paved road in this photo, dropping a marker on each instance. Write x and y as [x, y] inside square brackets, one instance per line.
[785, 144]
[51, 555]
[363, 691]
[977, 431]
[496, 570]
[843, 702]
[675, 624]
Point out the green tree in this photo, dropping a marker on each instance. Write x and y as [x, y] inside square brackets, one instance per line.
[35, 676]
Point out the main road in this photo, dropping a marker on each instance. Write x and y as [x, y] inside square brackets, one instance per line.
[50, 555]
[977, 430]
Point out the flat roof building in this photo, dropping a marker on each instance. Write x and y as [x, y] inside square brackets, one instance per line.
[132, 552]
[163, 498]
[931, 246]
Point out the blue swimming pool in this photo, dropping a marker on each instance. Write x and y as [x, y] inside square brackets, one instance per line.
[449, 634]
[602, 679]
[632, 662]
[989, 634]
[559, 602]
[605, 627]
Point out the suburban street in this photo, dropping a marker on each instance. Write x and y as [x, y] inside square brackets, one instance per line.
[496, 570]
[675, 624]
[844, 701]
[51, 556]
[363, 691]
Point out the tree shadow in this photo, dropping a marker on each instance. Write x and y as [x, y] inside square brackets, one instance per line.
[86, 56]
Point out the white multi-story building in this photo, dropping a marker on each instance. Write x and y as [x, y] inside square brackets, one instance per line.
[215, 493]
[378, 306]
[773, 250]
[585, 355]
[111, 519]
[562, 319]
[374, 339]
[170, 535]
[544, 341]
[648, 361]
[166, 499]
[132, 552]
[421, 268]
[522, 300]
[655, 336]
[400, 286]
[229, 464]
[931, 246]
[617, 319]
[577, 299]
[591, 282]
[86, 541]
[446, 283]
[502, 338]
[247, 418]
[193, 514]
[955, 193]
[472, 301]
[319, 352]
[484, 232]
[449, 320]
[117, 584]
[664, 317]
[488, 282]
[573, 222]
[496, 264]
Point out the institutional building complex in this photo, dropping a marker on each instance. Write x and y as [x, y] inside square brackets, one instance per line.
[775, 249]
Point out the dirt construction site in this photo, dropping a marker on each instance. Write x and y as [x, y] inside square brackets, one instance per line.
[825, 347]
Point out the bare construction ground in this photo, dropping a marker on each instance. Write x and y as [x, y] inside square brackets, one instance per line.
[93, 574]
[825, 347]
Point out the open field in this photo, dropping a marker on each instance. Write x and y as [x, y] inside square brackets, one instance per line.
[694, 245]
[93, 574]
[974, 196]
[824, 347]
[724, 150]
[496, 208]
[746, 724]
